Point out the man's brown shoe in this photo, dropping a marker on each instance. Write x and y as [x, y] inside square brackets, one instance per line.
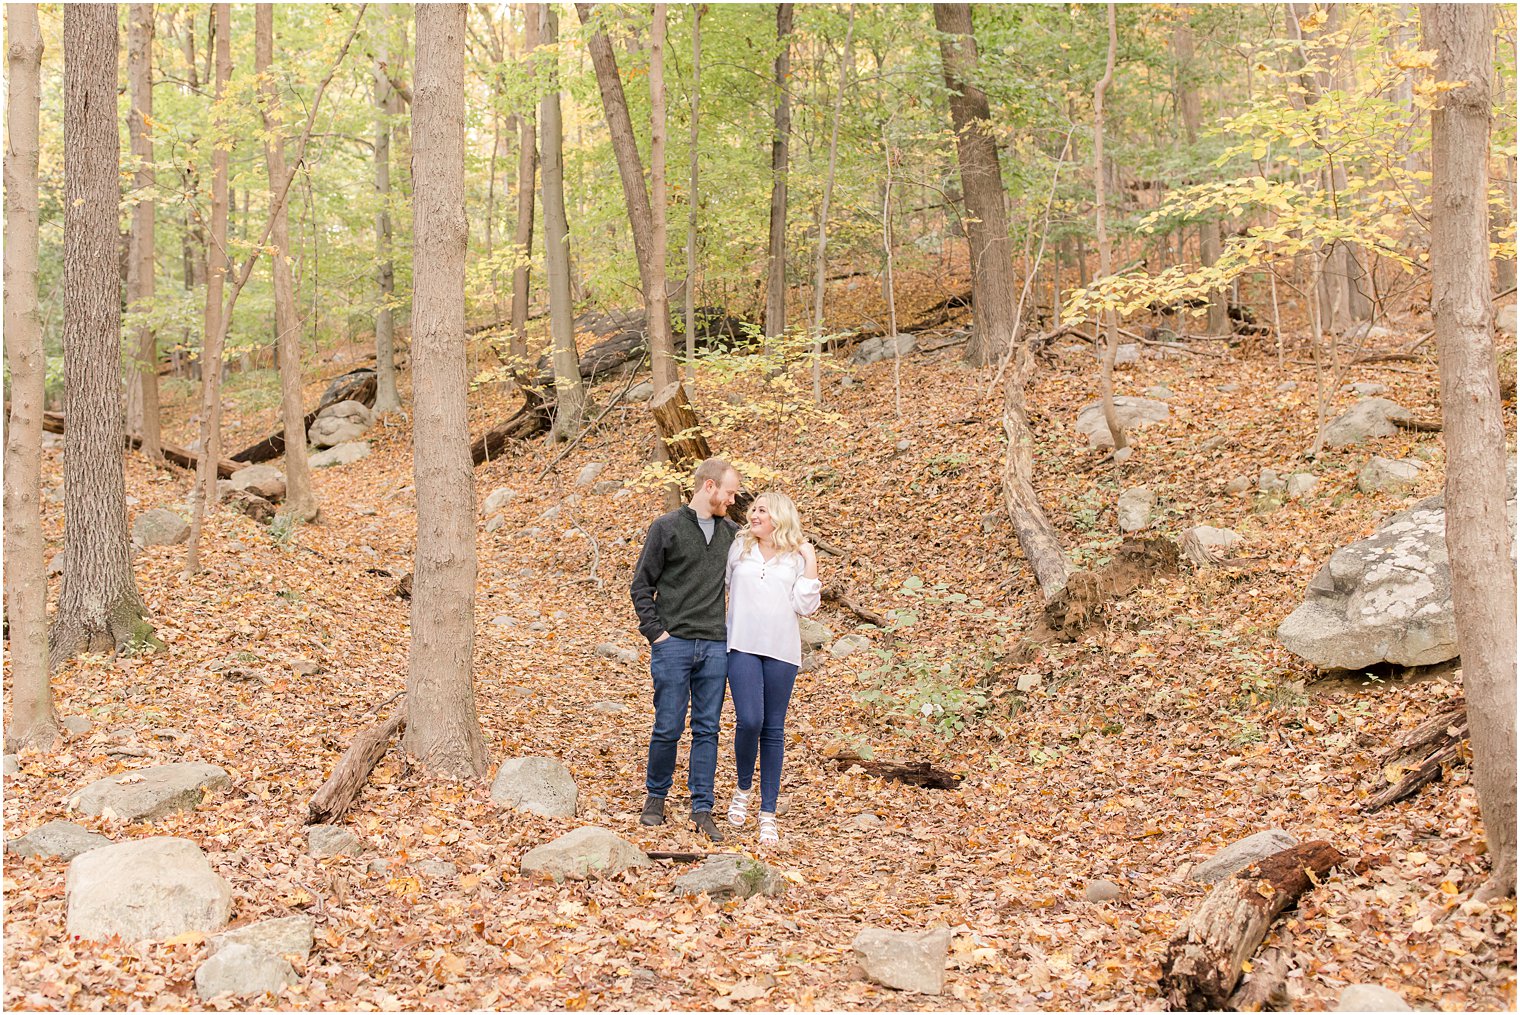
[703, 820]
[654, 811]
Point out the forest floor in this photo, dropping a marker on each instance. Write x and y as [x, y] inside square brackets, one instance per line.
[1178, 726]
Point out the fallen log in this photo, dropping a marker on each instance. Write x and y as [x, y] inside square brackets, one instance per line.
[532, 419]
[1206, 956]
[1422, 755]
[914, 773]
[53, 422]
[945, 310]
[835, 597]
[1416, 424]
[356, 385]
[341, 790]
[680, 857]
[1265, 988]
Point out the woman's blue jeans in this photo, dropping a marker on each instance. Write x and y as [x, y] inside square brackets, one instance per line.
[761, 688]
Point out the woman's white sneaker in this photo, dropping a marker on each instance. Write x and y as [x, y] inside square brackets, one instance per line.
[738, 808]
[768, 834]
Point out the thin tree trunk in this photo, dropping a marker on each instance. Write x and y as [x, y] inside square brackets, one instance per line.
[820, 263]
[99, 608]
[300, 498]
[140, 266]
[569, 392]
[442, 728]
[658, 298]
[775, 285]
[33, 721]
[1190, 105]
[1478, 529]
[887, 245]
[690, 289]
[982, 181]
[387, 398]
[1105, 260]
[203, 497]
[527, 167]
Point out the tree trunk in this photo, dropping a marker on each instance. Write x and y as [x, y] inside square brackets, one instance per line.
[775, 284]
[1036, 535]
[1105, 259]
[1478, 529]
[676, 421]
[300, 499]
[820, 263]
[690, 289]
[569, 392]
[887, 281]
[982, 181]
[631, 174]
[99, 608]
[140, 260]
[387, 104]
[527, 166]
[33, 722]
[657, 298]
[1190, 106]
[442, 729]
[203, 496]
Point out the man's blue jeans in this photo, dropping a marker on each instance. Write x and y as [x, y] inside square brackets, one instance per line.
[688, 673]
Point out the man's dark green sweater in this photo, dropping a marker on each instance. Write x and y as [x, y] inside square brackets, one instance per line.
[678, 584]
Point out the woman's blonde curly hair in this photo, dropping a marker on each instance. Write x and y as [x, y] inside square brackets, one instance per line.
[788, 537]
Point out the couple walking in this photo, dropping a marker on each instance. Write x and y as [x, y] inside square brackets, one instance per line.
[696, 648]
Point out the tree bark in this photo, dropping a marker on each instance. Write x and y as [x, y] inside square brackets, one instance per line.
[569, 392]
[300, 499]
[679, 428]
[442, 729]
[99, 608]
[140, 282]
[1478, 529]
[387, 104]
[820, 263]
[527, 168]
[657, 297]
[775, 284]
[982, 182]
[203, 496]
[1100, 210]
[33, 721]
[341, 790]
[1036, 535]
[690, 288]
[1190, 105]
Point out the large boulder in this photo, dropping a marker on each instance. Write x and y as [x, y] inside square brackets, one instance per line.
[63, 840]
[147, 793]
[1370, 417]
[874, 350]
[341, 454]
[159, 527]
[730, 877]
[1237, 856]
[255, 959]
[1132, 412]
[1386, 598]
[536, 785]
[339, 423]
[914, 962]
[261, 480]
[145, 890]
[578, 855]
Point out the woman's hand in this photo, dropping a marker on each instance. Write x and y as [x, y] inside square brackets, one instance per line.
[810, 559]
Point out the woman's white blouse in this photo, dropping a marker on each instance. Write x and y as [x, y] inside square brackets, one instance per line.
[764, 601]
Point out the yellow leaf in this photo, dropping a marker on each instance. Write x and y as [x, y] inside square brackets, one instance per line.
[189, 937]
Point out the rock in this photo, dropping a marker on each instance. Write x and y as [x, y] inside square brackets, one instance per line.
[865, 822]
[537, 786]
[261, 480]
[901, 961]
[1135, 507]
[1387, 474]
[606, 486]
[378, 866]
[497, 499]
[1504, 319]
[1286, 387]
[1101, 890]
[1371, 996]
[1371, 417]
[147, 793]
[1367, 389]
[1228, 389]
[730, 877]
[1159, 392]
[495, 522]
[623, 655]
[588, 473]
[873, 350]
[640, 392]
[1133, 413]
[57, 562]
[251, 505]
[1205, 545]
[305, 666]
[62, 839]
[579, 854]
[77, 724]
[609, 707]
[1240, 484]
[255, 959]
[1270, 482]
[849, 645]
[323, 841]
[145, 890]
[438, 870]
[1241, 854]
[1366, 330]
[12, 765]
[340, 423]
[341, 454]
[1300, 485]
[159, 527]
[503, 621]
[1029, 681]
[814, 634]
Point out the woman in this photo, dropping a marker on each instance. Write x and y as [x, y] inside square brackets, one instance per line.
[772, 578]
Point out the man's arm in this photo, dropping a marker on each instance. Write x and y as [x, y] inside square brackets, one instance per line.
[650, 566]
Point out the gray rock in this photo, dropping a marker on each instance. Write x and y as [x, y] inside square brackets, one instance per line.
[1101, 890]
[1371, 417]
[323, 841]
[340, 423]
[77, 724]
[1270, 482]
[1240, 484]
[623, 655]
[147, 793]
[497, 499]
[993, 520]
[579, 854]
[849, 645]
[640, 392]
[609, 707]
[1135, 508]
[1228, 389]
[606, 486]
[145, 890]
[62, 839]
[503, 621]
[730, 877]
[341, 454]
[1159, 392]
[378, 866]
[1028, 682]
[1371, 996]
[1300, 485]
[12, 765]
[537, 786]
[57, 562]
[1205, 545]
[438, 870]
[588, 474]
[814, 634]
[1504, 319]
[1366, 330]
[1367, 389]
[159, 527]
[1381, 474]
[1237, 856]
[495, 522]
[1286, 387]
[865, 822]
[874, 350]
[255, 959]
[1133, 413]
[260, 480]
[914, 962]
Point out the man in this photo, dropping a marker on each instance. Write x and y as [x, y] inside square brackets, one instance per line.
[678, 594]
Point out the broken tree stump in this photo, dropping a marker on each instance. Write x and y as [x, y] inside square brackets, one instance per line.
[341, 790]
[677, 424]
[1137, 562]
[1422, 754]
[914, 773]
[354, 386]
[1205, 958]
[53, 422]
